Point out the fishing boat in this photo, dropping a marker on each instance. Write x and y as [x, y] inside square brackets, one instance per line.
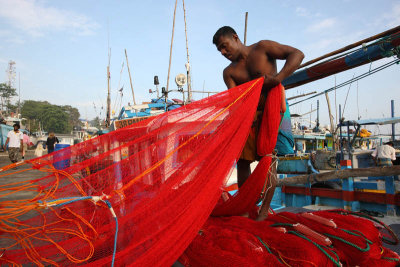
[152, 194]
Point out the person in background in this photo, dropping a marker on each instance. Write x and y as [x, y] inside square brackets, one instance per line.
[51, 141]
[26, 142]
[14, 142]
[384, 154]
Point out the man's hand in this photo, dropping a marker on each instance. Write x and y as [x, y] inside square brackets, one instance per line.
[270, 81]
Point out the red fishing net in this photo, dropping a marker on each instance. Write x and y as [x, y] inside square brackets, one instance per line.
[140, 195]
[162, 178]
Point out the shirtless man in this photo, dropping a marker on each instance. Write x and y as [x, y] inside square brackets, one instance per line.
[248, 63]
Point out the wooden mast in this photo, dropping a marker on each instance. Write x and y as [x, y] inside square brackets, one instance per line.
[130, 78]
[332, 130]
[172, 42]
[189, 85]
[245, 28]
[108, 118]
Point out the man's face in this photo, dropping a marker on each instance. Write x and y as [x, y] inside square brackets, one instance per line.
[228, 47]
[16, 128]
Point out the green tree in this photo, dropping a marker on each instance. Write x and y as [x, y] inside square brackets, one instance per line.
[55, 119]
[73, 115]
[52, 118]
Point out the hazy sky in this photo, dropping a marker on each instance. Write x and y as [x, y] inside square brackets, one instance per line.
[60, 47]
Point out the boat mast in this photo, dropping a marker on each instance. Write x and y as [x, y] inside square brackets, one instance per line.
[172, 42]
[189, 85]
[130, 78]
[332, 130]
[19, 94]
[108, 118]
[245, 28]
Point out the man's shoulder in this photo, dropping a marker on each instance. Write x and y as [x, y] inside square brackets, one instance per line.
[261, 44]
[229, 69]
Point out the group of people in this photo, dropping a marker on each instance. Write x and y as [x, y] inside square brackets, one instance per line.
[18, 142]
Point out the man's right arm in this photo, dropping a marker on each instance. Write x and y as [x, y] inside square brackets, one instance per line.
[374, 153]
[230, 83]
[393, 154]
[5, 145]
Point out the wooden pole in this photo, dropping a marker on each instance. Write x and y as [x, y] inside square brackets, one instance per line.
[331, 120]
[130, 78]
[172, 42]
[341, 174]
[189, 80]
[108, 118]
[369, 39]
[245, 28]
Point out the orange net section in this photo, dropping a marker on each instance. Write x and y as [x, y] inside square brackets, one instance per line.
[137, 195]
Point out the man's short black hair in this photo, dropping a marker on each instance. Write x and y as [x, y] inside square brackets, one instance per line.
[16, 124]
[223, 31]
[390, 143]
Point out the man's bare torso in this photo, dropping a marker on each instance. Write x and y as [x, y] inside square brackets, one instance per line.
[257, 64]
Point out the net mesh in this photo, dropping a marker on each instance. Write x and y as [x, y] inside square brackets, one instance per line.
[162, 178]
[142, 194]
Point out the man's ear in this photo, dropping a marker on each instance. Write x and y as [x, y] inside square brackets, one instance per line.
[235, 37]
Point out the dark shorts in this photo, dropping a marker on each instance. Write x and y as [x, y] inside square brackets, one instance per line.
[249, 151]
[13, 154]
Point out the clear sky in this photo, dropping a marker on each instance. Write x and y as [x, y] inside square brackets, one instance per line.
[61, 47]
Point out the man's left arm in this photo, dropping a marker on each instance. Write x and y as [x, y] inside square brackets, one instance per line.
[293, 57]
[21, 145]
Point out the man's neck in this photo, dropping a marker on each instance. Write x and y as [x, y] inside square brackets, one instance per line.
[244, 52]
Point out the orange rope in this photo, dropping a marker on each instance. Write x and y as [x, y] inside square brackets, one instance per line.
[23, 233]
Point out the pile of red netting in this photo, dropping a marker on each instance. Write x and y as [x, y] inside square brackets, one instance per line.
[322, 238]
[142, 194]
